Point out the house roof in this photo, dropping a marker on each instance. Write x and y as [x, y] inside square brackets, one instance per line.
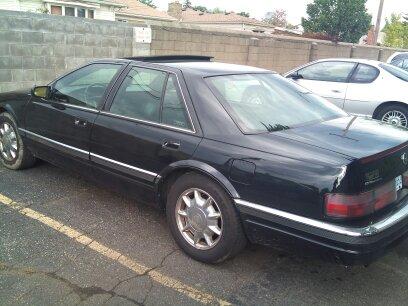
[135, 8]
[193, 16]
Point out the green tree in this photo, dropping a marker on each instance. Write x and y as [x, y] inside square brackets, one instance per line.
[244, 14]
[187, 4]
[200, 8]
[341, 20]
[149, 3]
[396, 32]
[217, 10]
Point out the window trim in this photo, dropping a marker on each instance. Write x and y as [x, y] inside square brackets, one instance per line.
[352, 81]
[106, 109]
[106, 93]
[330, 61]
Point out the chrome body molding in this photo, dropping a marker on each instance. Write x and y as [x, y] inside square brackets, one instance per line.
[147, 122]
[56, 144]
[113, 164]
[122, 167]
[91, 110]
[375, 228]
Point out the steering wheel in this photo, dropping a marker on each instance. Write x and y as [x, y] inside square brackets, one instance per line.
[255, 95]
[93, 94]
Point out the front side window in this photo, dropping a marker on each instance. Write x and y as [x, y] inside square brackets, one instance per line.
[140, 95]
[86, 86]
[327, 71]
[269, 102]
[365, 74]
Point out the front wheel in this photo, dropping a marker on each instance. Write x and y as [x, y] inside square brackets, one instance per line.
[203, 219]
[395, 115]
[13, 152]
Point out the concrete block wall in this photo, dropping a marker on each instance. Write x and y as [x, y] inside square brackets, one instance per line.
[35, 48]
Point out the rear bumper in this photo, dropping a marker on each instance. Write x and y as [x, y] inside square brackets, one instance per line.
[350, 245]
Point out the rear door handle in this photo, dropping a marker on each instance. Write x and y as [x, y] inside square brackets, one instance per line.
[173, 145]
[336, 91]
[80, 122]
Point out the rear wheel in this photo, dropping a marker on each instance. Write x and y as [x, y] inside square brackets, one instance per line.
[203, 219]
[13, 152]
[394, 114]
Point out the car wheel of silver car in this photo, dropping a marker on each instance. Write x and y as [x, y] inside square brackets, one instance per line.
[395, 115]
[13, 153]
[203, 219]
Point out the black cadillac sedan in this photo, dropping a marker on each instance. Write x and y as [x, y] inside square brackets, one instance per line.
[232, 153]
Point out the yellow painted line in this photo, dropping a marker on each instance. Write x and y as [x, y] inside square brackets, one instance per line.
[114, 255]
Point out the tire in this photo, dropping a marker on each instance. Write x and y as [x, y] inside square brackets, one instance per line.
[19, 158]
[231, 240]
[400, 115]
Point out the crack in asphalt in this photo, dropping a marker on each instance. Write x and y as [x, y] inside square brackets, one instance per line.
[84, 293]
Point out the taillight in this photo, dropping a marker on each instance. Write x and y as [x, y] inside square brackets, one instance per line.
[352, 206]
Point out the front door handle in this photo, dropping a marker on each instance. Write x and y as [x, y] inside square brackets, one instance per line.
[80, 122]
[173, 145]
[336, 91]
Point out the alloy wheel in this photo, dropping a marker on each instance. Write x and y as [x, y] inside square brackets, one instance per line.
[199, 219]
[395, 117]
[8, 142]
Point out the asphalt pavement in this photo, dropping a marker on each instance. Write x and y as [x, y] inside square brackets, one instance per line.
[66, 241]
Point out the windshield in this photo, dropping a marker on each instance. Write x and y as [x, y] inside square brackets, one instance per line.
[269, 102]
[395, 71]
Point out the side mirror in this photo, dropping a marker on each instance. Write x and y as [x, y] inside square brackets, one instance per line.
[41, 92]
[295, 76]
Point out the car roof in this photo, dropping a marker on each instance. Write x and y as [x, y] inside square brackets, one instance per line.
[197, 65]
[213, 68]
[352, 60]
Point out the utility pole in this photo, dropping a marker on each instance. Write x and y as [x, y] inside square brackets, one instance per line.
[378, 24]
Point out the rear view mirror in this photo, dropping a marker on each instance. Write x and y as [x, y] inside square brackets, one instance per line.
[41, 91]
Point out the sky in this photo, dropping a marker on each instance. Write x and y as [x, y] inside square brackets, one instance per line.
[296, 9]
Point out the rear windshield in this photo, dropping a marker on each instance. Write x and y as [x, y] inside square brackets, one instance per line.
[395, 71]
[269, 102]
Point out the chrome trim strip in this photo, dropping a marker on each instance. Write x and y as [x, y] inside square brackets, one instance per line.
[54, 142]
[148, 173]
[370, 230]
[92, 110]
[147, 122]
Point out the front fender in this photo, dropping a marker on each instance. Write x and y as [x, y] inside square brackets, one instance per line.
[201, 167]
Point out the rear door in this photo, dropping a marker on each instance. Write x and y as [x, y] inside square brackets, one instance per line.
[364, 91]
[147, 124]
[327, 79]
[62, 124]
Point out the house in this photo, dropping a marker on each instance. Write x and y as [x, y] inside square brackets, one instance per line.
[231, 21]
[121, 10]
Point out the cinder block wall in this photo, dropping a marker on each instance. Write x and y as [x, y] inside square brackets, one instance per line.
[35, 48]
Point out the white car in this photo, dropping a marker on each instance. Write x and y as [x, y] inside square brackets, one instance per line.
[399, 59]
[363, 87]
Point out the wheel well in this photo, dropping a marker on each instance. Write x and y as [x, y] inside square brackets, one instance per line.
[2, 110]
[168, 181]
[386, 104]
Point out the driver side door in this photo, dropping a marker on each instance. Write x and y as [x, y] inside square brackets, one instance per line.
[58, 128]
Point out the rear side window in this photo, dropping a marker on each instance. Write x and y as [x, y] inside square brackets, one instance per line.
[140, 95]
[365, 74]
[153, 96]
[174, 111]
[327, 71]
